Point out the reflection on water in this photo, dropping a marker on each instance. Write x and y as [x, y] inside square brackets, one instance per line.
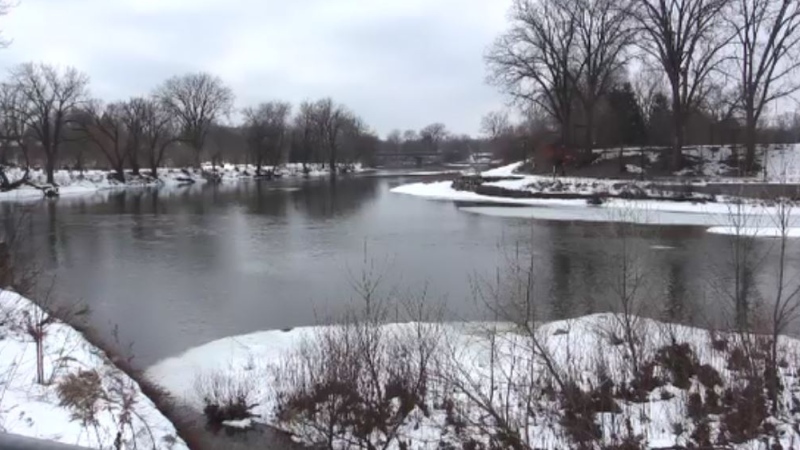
[175, 268]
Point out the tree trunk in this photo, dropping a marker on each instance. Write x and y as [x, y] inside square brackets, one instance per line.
[677, 141]
[40, 360]
[749, 143]
[135, 163]
[119, 172]
[50, 168]
[589, 135]
[332, 161]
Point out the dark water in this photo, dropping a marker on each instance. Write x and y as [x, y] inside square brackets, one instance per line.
[173, 269]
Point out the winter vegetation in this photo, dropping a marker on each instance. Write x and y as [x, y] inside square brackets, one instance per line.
[627, 107]
[57, 386]
[390, 374]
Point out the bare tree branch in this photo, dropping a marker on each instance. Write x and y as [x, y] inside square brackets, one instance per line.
[198, 101]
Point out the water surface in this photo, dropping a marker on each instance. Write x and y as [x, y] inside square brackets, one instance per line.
[167, 270]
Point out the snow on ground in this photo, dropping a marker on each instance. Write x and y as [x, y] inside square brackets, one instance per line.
[640, 211]
[782, 161]
[504, 171]
[766, 231]
[580, 347]
[73, 182]
[33, 410]
[714, 214]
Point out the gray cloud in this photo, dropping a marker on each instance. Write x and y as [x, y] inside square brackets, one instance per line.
[397, 63]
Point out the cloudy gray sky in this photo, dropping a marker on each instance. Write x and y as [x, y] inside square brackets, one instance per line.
[397, 63]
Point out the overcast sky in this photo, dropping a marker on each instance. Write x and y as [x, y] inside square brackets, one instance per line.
[398, 63]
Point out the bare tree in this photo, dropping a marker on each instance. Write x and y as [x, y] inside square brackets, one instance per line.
[134, 112]
[49, 96]
[647, 84]
[266, 129]
[305, 138]
[197, 100]
[13, 134]
[356, 141]
[686, 39]
[767, 35]
[159, 131]
[433, 135]
[495, 124]
[604, 32]
[534, 60]
[786, 309]
[329, 120]
[104, 126]
[395, 140]
[720, 104]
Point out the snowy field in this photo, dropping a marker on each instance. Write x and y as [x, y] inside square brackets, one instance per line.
[662, 212]
[72, 182]
[782, 162]
[113, 405]
[585, 350]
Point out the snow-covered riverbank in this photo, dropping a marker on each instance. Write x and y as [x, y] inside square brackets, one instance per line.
[73, 182]
[86, 400]
[645, 211]
[586, 349]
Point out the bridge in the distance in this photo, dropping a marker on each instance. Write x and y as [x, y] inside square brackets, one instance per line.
[417, 159]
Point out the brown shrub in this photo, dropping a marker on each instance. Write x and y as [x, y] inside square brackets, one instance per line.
[680, 361]
[81, 393]
[745, 411]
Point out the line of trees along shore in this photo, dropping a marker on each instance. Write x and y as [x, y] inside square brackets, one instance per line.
[652, 72]
[583, 73]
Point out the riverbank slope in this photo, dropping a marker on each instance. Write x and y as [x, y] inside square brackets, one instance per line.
[85, 399]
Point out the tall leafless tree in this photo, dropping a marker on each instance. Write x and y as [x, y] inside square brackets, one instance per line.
[433, 135]
[104, 126]
[786, 309]
[14, 133]
[160, 131]
[197, 100]
[767, 33]
[685, 38]
[494, 124]
[534, 60]
[134, 112]
[603, 34]
[304, 140]
[266, 129]
[49, 96]
[395, 140]
[329, 121]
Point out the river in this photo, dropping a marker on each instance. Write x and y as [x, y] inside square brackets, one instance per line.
[166, 270]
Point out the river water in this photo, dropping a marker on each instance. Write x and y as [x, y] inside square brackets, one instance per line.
[166, 270]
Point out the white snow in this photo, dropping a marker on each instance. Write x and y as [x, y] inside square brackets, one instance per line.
[73, 182]
[782, 161]
[240, 424]
[504, 171]
[632, 168]
[612, 210]
[771, 232]
[30, 409]
[577, 346]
